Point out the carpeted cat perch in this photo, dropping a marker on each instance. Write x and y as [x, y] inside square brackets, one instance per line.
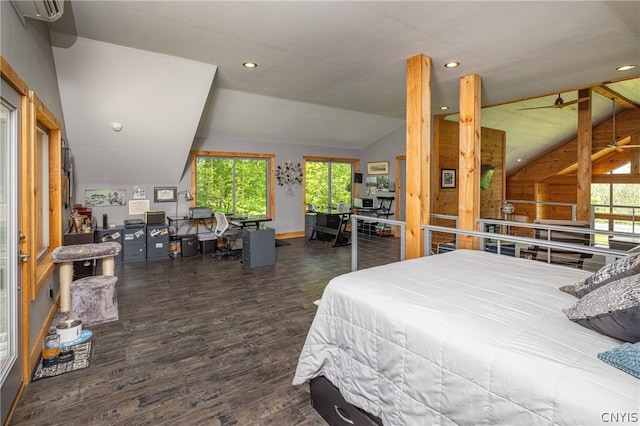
[94, 296]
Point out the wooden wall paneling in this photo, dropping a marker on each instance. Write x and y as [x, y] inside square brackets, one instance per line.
[469, 158]
[418, 151]
[445, 200]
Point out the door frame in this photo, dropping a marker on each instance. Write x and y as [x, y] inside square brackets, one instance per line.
[11, 78]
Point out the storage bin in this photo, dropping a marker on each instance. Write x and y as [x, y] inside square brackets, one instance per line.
[208, 245]
[189, 245]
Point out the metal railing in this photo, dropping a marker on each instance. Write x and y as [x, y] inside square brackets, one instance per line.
[371, 231]
[612, 215]
[365, 237]
[609, 254]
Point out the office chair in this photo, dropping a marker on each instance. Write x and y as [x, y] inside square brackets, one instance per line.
[229, 235]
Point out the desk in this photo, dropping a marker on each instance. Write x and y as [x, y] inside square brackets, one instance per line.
[334, 224]
[206, 222]
[248, 221]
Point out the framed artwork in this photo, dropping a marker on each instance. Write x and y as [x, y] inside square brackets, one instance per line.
[105, 197]
[378, 168]
[138, 192]
[448, 178]
[165, 194]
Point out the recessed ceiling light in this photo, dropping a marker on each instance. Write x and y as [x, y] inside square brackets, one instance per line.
[519, 160]
[250, 65]
[625, 68]
[451, 64]
[444, 107]
[116, 127]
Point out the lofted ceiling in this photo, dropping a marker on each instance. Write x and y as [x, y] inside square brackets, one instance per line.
[332, 73]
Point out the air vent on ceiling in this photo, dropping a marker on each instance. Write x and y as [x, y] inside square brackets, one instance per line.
[44, 10]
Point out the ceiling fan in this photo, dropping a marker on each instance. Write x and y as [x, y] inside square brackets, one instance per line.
[614, 141]
[559, 103]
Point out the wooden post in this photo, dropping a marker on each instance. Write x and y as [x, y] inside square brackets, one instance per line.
[469, 157]
[418, 151]
[583, 211]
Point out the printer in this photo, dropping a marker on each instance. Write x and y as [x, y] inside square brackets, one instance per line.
[199, 212]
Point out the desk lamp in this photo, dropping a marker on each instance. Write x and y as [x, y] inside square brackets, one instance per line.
[188, 196]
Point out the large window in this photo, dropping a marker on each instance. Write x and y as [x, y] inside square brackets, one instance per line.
[234, 183]
[617, 205]
[328, 181]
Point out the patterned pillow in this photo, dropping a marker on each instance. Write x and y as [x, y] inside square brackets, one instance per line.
[613, 310]
[623, 267]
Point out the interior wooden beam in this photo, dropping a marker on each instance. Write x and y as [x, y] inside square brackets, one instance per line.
[469, 157]
[583, 210]
[418, 152]
[612, 94]
[615, 178]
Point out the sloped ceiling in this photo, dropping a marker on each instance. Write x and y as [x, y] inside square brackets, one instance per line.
[334, 72]
[158, 99]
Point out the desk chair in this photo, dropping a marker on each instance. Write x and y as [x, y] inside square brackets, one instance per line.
[228, 235]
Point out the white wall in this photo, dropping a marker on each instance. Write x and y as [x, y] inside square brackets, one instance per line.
[28, 51]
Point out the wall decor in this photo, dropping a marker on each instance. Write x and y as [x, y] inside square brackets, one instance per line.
[165, 194]
[380, 183]
[105, 197]
[138, 207]
[448, 178]
[138, 192]
[289, 174]
[378, 168]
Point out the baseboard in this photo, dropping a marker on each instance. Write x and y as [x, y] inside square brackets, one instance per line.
[286, 235]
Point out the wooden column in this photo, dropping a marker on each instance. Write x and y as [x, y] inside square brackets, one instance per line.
[469, 157]
[583, 198]
[418, 151]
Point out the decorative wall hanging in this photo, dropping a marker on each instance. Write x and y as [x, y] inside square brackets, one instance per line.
[105, 197]
[289, 174]
[448, 178]
[378, 168]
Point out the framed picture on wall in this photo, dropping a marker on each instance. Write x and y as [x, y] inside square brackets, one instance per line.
[378, 168]
[165, 194]
[448, 178]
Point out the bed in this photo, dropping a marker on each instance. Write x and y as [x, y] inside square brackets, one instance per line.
[466, 337]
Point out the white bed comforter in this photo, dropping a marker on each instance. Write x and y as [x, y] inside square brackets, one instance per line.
[465, 337]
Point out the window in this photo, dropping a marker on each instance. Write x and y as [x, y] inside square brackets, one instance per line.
[44, 223]
[328, 181]
[42, 190]
[616, 205]
[234, 183]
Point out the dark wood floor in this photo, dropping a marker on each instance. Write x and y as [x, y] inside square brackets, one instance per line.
[199, 342]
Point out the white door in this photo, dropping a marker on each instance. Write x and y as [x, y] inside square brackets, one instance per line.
[10, 258]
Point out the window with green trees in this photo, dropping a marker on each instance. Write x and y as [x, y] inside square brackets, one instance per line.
[238, 184]
[328, 181]
[619, 203]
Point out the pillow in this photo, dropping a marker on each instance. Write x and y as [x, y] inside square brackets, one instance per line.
[625, 357]
[612, 310]
[623, 267]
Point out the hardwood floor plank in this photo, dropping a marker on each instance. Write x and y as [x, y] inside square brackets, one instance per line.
[199, 342]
